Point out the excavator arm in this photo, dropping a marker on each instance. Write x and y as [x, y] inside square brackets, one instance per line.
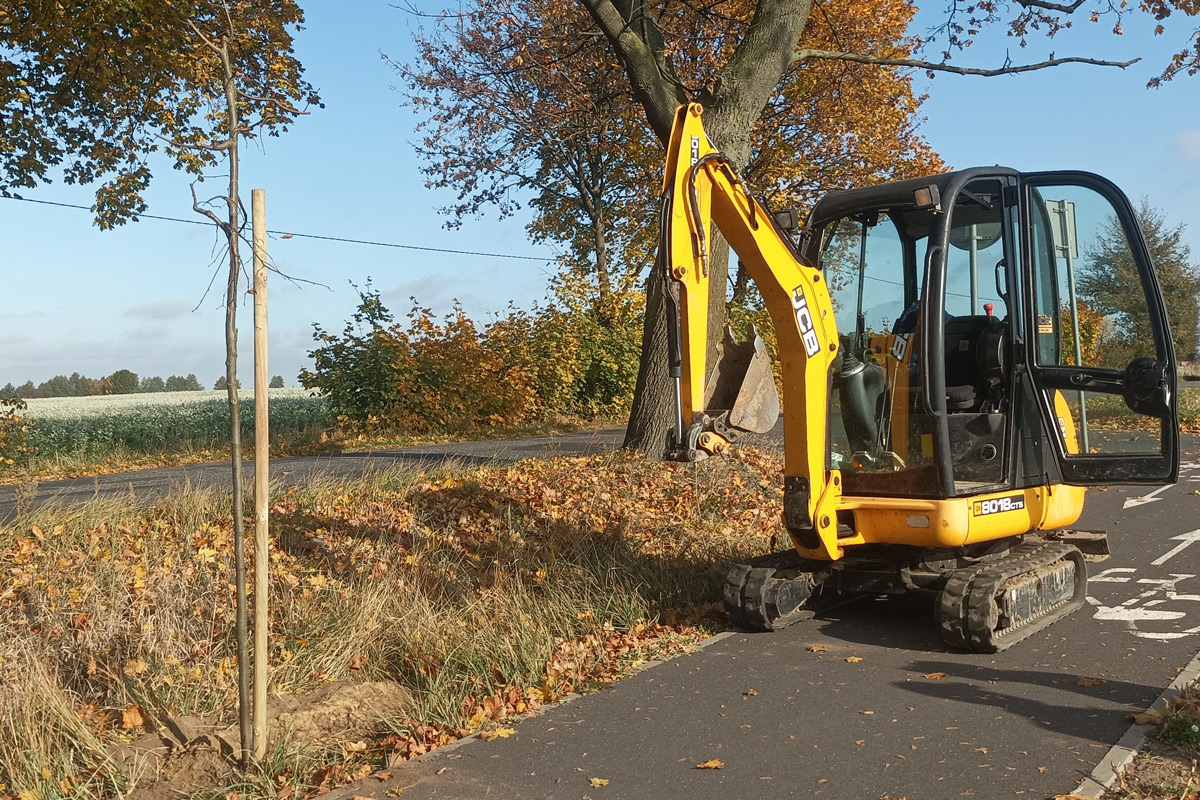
[701, 188]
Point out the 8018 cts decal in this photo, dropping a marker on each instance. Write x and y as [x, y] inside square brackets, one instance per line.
[997, 505]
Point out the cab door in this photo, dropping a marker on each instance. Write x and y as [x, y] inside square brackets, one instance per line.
[1098, 346]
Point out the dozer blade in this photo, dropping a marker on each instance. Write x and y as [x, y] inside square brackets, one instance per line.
[742, 384]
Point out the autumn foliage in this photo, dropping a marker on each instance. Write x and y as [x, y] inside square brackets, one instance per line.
[15, 429]
[453, 376]
[484, 592]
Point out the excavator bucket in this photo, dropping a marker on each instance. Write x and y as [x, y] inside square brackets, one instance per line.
[742, 384]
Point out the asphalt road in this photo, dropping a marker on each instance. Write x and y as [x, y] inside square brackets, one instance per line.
[150, 484]
[910, 719]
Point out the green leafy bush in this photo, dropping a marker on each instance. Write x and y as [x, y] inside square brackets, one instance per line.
[451, 375]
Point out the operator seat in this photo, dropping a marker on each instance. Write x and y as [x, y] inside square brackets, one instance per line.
[975, 361]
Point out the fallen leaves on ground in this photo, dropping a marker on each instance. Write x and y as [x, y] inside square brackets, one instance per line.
[1088, 682]
[853, 659]
[1149, 717]
[132, 717]
[712, 763]
[817, 648]
[140, 602]
[935, 676]
[497, 733]
[597, 782]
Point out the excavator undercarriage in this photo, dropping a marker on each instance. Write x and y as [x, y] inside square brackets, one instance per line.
[986, 598]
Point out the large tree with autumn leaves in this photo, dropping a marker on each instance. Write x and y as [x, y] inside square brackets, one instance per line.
[762, 43]
[530, 95]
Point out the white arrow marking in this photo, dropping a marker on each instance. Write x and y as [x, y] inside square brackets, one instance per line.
[1184, 540]
[1146, 498]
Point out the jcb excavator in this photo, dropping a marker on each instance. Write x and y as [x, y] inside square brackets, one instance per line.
[947, 389]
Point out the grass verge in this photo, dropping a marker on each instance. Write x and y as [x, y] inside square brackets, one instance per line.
[485, 591]
[1165, 769]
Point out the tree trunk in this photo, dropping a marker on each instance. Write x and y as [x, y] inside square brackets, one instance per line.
[235, 417]
[745, 84]
[653, 411]
[741, 287]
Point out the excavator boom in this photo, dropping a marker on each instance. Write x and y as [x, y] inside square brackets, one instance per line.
[701, 188]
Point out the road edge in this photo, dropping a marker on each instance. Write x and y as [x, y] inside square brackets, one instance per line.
[1121, 755]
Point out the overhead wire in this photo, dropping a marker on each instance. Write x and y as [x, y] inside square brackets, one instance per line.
[293, 234]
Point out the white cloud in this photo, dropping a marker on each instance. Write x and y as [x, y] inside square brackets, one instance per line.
[1189, 144]
[436, 292]
[166, 308]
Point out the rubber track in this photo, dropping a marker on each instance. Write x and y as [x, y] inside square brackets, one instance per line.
[967, 608]
[749, 591]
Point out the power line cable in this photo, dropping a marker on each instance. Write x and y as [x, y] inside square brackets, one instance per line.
[291, 234]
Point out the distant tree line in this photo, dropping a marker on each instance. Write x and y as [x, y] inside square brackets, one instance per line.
[122, 381]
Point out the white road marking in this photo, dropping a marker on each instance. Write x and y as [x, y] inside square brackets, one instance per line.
[1146, 498]
[1109, 575]
[1131, 613]
[1185, 540]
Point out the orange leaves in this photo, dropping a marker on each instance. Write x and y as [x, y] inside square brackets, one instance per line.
[132, 718]
[1151, 717]
[497, 733]
[712, 763]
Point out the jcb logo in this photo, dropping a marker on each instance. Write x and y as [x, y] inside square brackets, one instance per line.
[998, 504]
[808, 331]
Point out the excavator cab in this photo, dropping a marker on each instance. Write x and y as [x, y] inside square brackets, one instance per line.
[1000, 331]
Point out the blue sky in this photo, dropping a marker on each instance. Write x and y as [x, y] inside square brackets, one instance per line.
[78, 299]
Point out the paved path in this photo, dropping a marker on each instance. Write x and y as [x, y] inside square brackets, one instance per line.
[153, 483]
[911, 719]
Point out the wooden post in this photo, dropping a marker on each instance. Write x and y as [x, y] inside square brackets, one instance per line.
[262, 442]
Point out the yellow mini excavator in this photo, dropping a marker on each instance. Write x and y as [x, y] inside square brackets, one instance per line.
[948, 390]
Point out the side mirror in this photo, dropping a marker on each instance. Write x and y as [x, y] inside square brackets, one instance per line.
[787, 220]
[1148, 388]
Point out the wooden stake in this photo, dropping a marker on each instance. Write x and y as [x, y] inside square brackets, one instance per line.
[262, 443]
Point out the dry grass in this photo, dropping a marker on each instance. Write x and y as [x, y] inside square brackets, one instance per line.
[1165, 769]
[485, 591]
